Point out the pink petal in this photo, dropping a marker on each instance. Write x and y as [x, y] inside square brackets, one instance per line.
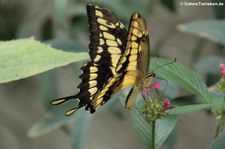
[145, 91]
[222, 69]
[156, 85]
[166, 104]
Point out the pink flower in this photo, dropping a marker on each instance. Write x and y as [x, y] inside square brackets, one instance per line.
[166, 104]
[222, 69]
[155, 86]
[145, 92]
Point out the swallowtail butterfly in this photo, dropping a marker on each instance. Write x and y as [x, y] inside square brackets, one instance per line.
[119, 58]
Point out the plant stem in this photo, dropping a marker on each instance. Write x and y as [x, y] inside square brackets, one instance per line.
[153, 134]
[217, 131]
[219, 120]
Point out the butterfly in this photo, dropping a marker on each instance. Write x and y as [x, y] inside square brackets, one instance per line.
[119, 58]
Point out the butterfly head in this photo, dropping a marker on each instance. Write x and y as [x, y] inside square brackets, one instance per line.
[148, 79]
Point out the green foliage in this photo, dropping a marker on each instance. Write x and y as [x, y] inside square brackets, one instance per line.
[210, 29]
[184, 77]
[163, 128]
[187, 109]
[26, 57]
[219, 142]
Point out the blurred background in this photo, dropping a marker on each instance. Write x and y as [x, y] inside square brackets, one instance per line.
[27, 121]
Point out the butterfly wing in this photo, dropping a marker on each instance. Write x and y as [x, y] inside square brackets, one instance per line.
[135, 59]
[108, 39]
[132, 67]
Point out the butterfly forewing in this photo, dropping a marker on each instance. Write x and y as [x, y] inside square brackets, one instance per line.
[135, 60]
[137, 53]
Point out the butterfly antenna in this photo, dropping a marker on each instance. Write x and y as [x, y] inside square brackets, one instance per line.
[165, 86]
[165, 64]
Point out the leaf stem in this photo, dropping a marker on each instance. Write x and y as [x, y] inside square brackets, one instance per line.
[153, 134]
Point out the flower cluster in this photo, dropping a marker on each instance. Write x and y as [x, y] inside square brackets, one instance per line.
[221, 84]
[154, 108]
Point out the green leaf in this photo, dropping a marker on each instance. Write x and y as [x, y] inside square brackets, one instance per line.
[164, 127]
[184, 77]
[219, 142]
[171, 140]
[210, 64]
[210, 29]
[218, 97]
[186, 100]
[80, 130]
[188, 109]
[26, 57]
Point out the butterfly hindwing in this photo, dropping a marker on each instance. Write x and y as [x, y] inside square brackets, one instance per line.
[107, 44]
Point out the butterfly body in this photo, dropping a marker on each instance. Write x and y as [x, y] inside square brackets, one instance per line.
[118, 59]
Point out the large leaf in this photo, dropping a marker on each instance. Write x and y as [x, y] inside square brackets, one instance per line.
[164, 127]
[210, 29]
[27, 57]
[188, 109]
[183, 76]
[219, 142]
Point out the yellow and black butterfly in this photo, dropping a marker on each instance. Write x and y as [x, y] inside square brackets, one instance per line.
[118, 59]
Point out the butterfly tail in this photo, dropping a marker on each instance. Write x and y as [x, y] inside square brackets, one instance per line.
[62, 100]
